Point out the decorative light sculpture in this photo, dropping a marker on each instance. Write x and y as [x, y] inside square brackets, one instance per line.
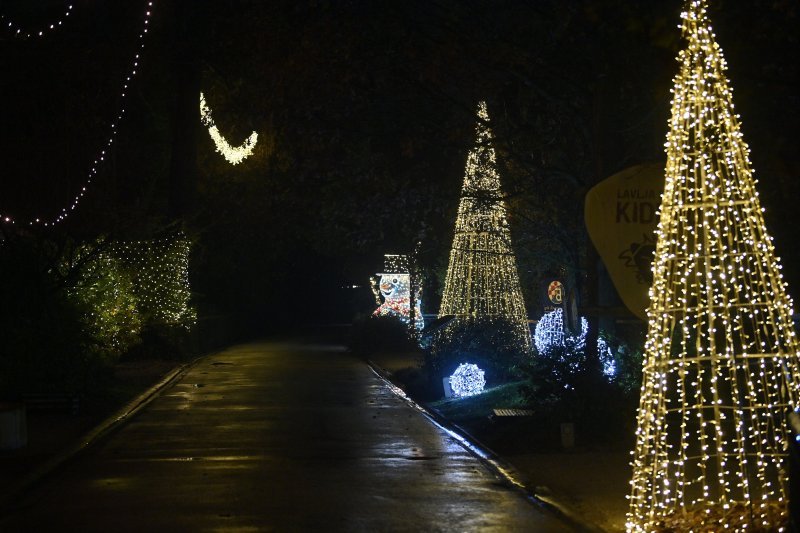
[721, 369]
[232, 154]
[549, 331]
[394, 288]
[467, 380]
[482, 279]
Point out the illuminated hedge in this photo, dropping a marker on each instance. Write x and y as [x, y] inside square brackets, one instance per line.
[103, 292]
[160, 273]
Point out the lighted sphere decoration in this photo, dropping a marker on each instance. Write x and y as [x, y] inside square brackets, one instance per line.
[467, 380]
[394, 291]
[550, 332]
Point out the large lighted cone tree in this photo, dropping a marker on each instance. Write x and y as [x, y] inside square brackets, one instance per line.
[721, 367]
[482, 280]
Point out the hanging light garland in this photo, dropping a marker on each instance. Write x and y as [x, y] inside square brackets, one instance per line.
[19, 31]
[8, 219]
[232, 154]
[482, 280]
[721, 370]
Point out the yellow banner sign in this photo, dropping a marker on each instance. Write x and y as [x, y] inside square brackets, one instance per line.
[620, 214]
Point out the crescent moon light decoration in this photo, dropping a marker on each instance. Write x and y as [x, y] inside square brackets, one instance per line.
[233, 154]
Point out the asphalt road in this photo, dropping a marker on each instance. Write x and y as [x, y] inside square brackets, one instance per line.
[277, 437]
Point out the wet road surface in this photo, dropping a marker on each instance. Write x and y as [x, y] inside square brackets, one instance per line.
[277, 437]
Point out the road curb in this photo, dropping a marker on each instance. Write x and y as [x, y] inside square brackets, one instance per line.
[103, 429]
[487, 456]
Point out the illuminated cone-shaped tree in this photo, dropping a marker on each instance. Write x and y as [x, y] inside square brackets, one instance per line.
[482, 282]
[721, 368]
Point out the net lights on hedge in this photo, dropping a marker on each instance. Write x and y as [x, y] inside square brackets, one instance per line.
[721, 370]
[467, 380]
[8, 219]
[232, 154]
[160, 272]
[18, 31]
[482, 279]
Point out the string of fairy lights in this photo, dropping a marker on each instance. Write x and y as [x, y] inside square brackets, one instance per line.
[232, 154]
[19, 31]
[721, 370]
[7, 218]
[482, 279]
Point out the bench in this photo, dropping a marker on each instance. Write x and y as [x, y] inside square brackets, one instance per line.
[512, 412]
[52, 402]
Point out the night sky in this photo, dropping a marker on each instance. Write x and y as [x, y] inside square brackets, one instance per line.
[364, 111]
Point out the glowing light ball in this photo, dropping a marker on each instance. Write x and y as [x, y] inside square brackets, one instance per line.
[467, 380]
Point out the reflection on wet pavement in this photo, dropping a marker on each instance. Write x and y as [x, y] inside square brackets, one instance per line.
[278, 437]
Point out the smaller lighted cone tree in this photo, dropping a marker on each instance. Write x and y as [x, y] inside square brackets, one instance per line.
[721, 368]
[482, 280]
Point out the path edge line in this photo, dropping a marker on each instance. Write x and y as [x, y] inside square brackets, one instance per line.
[104, 428]
[496, 464]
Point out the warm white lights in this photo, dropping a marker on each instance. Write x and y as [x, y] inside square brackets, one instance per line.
[160, 273]
[232, 154]
[721, 369]
[101, 156]
[482, 280]
[19, 31]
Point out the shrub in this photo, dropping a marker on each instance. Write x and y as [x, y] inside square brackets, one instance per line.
[159, 270]
[489, 343]
[102, 291]
[42, 346]
[571, 386]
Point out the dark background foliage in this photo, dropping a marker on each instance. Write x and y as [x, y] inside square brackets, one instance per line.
[364, 112]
